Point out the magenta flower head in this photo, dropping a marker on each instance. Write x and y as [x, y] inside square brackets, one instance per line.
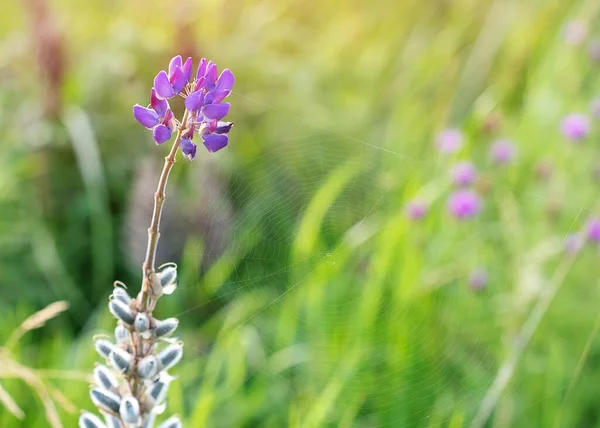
[502, 152]
[574, 32]
[449, 141]
[575, 127]
[463, 174]
[478, 279]
[204, 104]
[464, 204]
[416, 209]
[593, 229]
[572, 244]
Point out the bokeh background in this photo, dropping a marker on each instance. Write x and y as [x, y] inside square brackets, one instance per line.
[308, 297]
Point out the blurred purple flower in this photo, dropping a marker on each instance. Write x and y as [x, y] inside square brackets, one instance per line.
[593, 229]
[157, 117]
[575, 126]
[502, 151]
[574, 32]
[416, 209]
[478, 279]
[572, 243]
[464, 204]
[449, 141]
[463, 174]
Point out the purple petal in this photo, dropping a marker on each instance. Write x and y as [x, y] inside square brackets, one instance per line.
[215, 142]
[194, 101]
[187, 69]
[223, 127]
[175, 63]
[161, 134]
[145, 116]
[162, 86]
[160, 106]
[226, 81]
[188, 148]
[177, 80]
[201, 69]
[216, 111]
[211, 76]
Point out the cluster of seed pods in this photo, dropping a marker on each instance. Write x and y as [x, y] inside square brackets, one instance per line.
[130, 389]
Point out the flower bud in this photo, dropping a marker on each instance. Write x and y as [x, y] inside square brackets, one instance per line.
[166, 327]
[120, 294]
[104, 347]
[112, 421]
[122, 335]
[167, 275]
[105, 378]
[105, 399]
[121, 311]
[141, 323]
[170, 356]
[129, 410]
[172, 422]
[88, 420]
[147, 367]
[120, 359]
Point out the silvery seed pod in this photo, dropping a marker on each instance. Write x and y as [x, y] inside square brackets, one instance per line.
[172, 422]
[104, 347]
[120, 359]
[120, 294]
[167, 275]
[147, 367]
[158, 391]
[170, 356]
[149, 421]
[122, 335]
[105, 399]
[105, 378]
[141, 323]
[88, 420]
[121, 311]
[165, 327]
[129, 410]
[112, 421]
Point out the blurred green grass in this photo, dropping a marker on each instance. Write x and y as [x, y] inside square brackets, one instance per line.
[325, 306]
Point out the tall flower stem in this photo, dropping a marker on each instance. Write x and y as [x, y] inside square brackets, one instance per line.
[148, 267]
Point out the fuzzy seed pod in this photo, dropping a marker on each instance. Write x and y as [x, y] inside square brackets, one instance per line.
[167, 276]
[121, 294]
[172, 422]
[141, 323]
[104, 347]
[121, 311]
[158, 392]
[120, 359]
[147, 367]
[105, 399]
[122, 335]
[170, 356]
[88, 420]
[105, 378]
[129, 410]
[166, 327]
[112, 421]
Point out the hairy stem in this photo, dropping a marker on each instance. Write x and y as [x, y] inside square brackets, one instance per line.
[148, 267]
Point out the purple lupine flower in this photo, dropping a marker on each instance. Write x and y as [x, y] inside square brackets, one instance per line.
[464, 204]
[502, 151]
[416, 209]
[593, 229]
[463, 174]
[188, 148]
[575, 127]
[574, 32]
[157, 116]
[478, 279]
[449, 141]
[169, 85]
[572, 243]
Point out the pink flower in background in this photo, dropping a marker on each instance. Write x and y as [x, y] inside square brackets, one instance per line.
[572, 243]
[464, 204]
[593, 229]
[449, 141]
[416, 209]
[478, 279]
[574, 32]
[463, 174]
[575, 127]
[502, 152]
